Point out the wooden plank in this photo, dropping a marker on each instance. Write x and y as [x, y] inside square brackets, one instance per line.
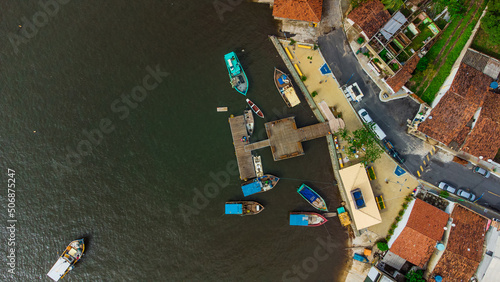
[244, 159]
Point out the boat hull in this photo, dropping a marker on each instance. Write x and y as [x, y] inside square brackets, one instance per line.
[249, 121]
[244, 208]
[237, 76]
[255, 109]
[312, 197]
[285, 88]
[259, 184]
[307, 219]
[71, 255]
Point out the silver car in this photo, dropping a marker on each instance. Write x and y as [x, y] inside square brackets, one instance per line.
[447, 187]
[466, 195]
[482, 171]
[365, 116]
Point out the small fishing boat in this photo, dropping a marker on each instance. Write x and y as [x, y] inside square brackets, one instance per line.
[249, 122]
[312, 197]
[257, 164]
[309, 219]
[221, 109]
[259, 184]
[285, 88]
[237, 76]
[66, 262]
[243, 208]
[255, 109]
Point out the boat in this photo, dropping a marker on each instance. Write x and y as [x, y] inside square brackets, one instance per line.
[312, 197]
[309, 219]
[285, 88]
[71, 255]
[237, 76]
[257, 164]
[221, 109]
[259, 184]
[255, 109]
[243, 208]
[249, 122]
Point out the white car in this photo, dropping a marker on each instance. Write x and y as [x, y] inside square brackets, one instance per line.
[482, 171]
[447, 187]
[466, 195]
[365, 116]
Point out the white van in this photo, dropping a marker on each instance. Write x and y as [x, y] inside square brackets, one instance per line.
[378, 132]
[368, 120]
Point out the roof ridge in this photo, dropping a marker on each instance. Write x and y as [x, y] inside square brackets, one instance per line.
[312, 10]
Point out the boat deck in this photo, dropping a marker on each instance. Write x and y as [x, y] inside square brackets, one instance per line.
[244, 158]
[284, 138]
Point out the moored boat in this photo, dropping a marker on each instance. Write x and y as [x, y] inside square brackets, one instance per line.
[243, 208]
[237, 76]
[255, 109]
[259, 184]
[249, 122]
[257, 164]
[285, 88]
[71, 255]
[309, 219]
[312, 197]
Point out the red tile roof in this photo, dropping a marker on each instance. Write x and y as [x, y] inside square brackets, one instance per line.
[402, 76]
[370, 16]
[302, 10]
[484, 139]
[464, 251]
[413, 246]
[428, 220]
[458, 105]
[424, 228]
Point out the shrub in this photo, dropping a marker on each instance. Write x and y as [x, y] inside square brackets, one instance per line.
[292, 41]
[405, 205]
[444, 194]
[394, 225]
[388, 237]
[401, 212]
[314, 93]
[376, 60]
[382, 246]
[315, 47]
[398, 218]
[408, 198]
[422, 64]
[490, 22]
[303, 78]
[360, 40]
[390, 232]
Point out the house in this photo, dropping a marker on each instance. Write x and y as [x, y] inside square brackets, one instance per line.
[300, 10]
[370, 16]
[467, 117]
[464, 250]
[417, 234]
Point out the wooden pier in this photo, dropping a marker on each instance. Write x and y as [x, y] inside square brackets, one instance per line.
[284, 138]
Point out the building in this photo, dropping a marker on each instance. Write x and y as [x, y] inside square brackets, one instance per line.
[300, 10]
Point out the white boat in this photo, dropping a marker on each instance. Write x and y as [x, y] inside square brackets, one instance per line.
[249, 122]
[66, 262]
[257, 163]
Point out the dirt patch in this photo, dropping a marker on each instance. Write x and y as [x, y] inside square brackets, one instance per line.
[460, 161]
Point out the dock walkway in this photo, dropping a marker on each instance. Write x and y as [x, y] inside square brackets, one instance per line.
[244, 158]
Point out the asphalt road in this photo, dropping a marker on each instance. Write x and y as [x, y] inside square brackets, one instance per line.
[392, 118]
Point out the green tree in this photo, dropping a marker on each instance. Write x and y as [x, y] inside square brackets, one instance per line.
[393, 4]
[490, 21]
[382, 246]
[422, 64]
[456, 8]
[362, 139]
[415, 276]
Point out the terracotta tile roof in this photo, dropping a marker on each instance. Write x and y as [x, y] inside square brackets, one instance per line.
[458, 105]
[402, 76]
[370, 16]
[464, 251]
[467, 236]
[413, 246]
[454, 267]
[484, 139]
[302, 10]
[428, 220]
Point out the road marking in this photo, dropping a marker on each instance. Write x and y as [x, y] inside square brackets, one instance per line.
[427, 157]
[424, 162]
[421, 169]
[493, 193]
[418, 172]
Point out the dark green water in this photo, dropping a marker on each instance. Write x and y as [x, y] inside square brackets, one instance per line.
[134, 193]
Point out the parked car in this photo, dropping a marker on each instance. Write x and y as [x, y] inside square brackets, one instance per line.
[466, 195]
[447, 187]
[482, 171]
[392, 151]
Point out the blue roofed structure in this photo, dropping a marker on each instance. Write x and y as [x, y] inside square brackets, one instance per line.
[252, 188]
[298, 220]
[234, 208]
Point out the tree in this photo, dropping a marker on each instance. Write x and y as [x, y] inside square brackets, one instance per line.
[362, 139]
[415, 276]
[489, 23]
[393, 4]
[422, 64]
[382, 246]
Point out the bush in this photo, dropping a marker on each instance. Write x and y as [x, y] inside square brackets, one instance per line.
[422, 64]
[401, 212]
[490, 21]
[303, 78]
[315, 47]
[415, 276]
[405, 205]
[388, 237]
[314, 93]
[444, 194]
[398, 218]
[382, 246]
[391, 231]
[360, 40]
[292, 42]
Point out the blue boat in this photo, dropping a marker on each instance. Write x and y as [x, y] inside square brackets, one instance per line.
[259, 184]
[312, 197]
[243, 208]
[309, 219]
[237, 76]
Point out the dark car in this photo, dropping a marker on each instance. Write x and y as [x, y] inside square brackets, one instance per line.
[392, 151]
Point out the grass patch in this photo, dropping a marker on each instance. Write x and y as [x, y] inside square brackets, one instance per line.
[385, 56]
[418, 41]
[403, 57]
[441, 23]
[483, 45]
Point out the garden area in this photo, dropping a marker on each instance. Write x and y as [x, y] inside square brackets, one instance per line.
[427, 81]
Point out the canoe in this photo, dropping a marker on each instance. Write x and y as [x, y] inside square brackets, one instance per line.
[255, 109]
[309, 219]
[312, 197]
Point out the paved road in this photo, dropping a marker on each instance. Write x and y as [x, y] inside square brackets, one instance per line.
[392, 116]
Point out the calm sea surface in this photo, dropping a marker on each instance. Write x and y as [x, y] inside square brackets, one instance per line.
[145, 180]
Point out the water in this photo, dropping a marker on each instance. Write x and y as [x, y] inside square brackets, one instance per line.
[134, 192]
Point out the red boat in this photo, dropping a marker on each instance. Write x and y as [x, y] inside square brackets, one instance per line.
[310, 219]
[255, 109]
